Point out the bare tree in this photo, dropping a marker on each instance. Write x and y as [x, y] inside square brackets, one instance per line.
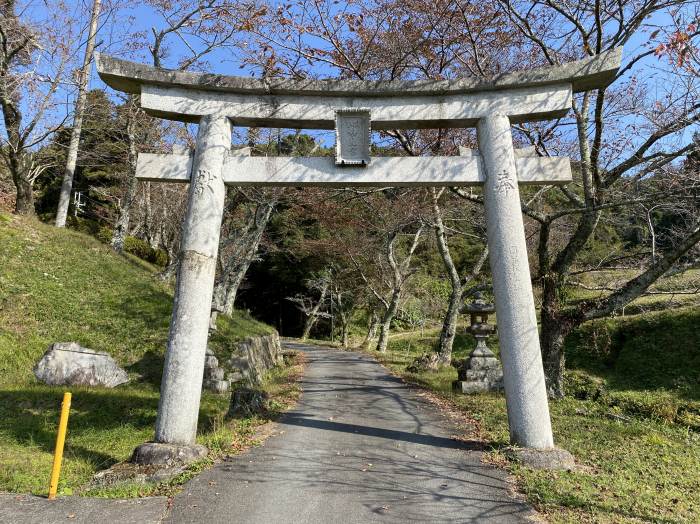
[346, 292]
[610, 161]
[344, 305]
[199, 26]
[399, 271]
[239, 246]
[372, 326]
[312, 305]
[34, 55]
[457, 293]
[83, 79]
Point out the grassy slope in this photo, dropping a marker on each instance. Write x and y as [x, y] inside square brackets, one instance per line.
[633, 420]
[662, 296]
[59, 285]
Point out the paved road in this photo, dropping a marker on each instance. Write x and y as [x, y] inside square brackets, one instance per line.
[360, 447]
[28, 509]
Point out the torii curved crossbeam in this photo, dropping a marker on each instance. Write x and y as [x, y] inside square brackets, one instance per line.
[537, 94]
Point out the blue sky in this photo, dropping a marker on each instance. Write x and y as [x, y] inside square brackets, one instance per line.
[118, 24]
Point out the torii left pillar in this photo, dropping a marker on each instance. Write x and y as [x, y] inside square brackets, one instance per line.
[180, 390]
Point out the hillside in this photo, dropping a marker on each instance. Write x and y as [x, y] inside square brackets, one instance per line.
[60, 285]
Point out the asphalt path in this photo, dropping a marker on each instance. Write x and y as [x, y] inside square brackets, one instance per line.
[361, 446]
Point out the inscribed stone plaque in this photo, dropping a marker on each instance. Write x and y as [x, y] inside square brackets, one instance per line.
[352, 132]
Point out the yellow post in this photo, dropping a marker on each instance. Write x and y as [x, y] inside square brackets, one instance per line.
[60, 439]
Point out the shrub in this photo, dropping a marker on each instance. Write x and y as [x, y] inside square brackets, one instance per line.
[84, 225]
[104, 235]
[137, 247]
[160, 258]
[141, 249]
[584, 386]
[649, 404]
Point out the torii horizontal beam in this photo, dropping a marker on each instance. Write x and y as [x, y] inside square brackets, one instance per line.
[395, 112]
[538, 94]
[382, 171]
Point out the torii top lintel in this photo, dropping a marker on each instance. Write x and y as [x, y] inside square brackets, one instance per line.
[536, 94]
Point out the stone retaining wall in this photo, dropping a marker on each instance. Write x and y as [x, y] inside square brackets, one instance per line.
[253, 357]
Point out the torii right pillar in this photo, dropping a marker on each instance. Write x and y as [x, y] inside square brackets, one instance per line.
[523, 374]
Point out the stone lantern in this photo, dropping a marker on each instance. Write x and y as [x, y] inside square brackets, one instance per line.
[481, 371]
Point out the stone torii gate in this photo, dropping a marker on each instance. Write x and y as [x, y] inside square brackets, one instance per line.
[217, 102]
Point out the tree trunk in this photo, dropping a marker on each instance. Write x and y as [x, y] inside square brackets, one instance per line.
[344, 322]
[24, 202]
[346, 338]
[313, 314]
[152, 230]
[234, 271]
[170, 244]
[308, 324]
[552, 338]
[389, 315]
[345, 310]
[229, 289]
[553, 331]
[371, 329]
[400, 275]
[121, 229]
[449, 325]
[68, 174]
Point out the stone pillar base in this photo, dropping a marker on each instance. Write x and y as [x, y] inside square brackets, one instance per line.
[158, 453]
[549, 459]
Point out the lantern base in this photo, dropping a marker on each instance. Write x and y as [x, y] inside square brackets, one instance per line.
[480, 372]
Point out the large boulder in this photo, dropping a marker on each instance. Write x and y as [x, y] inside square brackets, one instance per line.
[69, 364]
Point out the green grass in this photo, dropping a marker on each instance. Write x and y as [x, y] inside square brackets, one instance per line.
[646, 365]
[662, 297]
[631, 420]
[60, 285]
[223, 436]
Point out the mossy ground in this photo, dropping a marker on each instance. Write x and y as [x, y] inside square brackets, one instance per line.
[632, 418]
[60, 285]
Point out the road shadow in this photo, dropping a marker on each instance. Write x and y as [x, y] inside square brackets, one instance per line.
[391, 434]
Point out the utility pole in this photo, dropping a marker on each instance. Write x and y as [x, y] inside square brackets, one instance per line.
[84, 78]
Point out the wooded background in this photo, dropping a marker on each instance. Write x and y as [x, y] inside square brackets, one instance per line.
[347, 263]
